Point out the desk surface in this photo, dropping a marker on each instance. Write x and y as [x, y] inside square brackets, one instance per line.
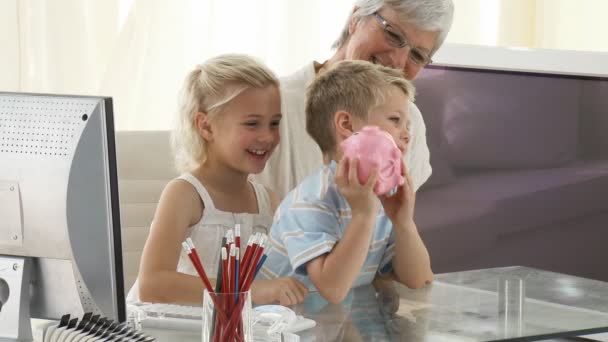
[507, 304]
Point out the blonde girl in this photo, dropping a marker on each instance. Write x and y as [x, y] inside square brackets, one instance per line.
[227, 128]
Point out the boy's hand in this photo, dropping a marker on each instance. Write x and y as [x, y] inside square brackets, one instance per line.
[360, 197]
[399, 207]
[287, 291]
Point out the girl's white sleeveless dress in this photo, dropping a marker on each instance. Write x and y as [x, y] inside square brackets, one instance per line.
[207, 234]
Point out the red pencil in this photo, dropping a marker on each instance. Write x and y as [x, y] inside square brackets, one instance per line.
[229, 239]
[232, 275]
[237, 235]
[224, 270]
[248, 279]
[193, 255]
[251, 247]
[198, 265]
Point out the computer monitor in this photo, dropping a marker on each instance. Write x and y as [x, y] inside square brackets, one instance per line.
[60, 246]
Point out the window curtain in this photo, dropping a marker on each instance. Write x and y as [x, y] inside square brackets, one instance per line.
[138, 51]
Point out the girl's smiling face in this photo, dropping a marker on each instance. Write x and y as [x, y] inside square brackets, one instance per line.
[245, 132]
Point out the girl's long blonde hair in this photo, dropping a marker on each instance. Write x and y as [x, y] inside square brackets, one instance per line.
[208, 88]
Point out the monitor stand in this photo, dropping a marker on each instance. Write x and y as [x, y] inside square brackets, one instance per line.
[15, 274]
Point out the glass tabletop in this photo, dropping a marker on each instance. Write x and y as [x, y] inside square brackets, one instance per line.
[499, 304]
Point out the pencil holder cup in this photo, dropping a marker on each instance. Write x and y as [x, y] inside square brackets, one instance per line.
[227, 317]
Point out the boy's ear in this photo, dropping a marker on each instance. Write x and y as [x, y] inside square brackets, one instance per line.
[201, 122]
[343, 122]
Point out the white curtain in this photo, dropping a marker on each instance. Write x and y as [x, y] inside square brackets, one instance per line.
[91, 47]
[59, 46]
[10, 54]
[162, 40]
[138, 51]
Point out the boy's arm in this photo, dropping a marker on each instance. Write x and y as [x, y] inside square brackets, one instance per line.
[334, 273]
[411, 263]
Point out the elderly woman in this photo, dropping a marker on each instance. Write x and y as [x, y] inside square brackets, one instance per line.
[403, 34]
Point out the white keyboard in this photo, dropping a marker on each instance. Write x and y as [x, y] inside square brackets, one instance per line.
[170, 310]
[189, 318]
[166, 316]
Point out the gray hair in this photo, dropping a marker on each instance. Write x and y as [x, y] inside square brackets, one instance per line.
[427, 15]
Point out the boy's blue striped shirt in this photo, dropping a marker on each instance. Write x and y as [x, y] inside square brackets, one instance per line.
[310, 221]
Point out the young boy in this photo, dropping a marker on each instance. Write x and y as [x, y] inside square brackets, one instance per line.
[331, 231]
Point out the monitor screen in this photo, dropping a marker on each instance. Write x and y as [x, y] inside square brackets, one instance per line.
[59, 204]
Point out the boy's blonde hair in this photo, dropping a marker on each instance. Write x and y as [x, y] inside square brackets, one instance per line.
[355, 87]
[208, 88]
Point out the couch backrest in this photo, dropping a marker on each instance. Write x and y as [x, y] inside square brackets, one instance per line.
[483, 119]
[594, 120]
[145, 165]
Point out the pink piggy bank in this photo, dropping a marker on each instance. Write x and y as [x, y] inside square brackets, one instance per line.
[374, 147]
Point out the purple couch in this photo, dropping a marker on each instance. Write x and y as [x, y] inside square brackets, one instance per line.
[520, 171]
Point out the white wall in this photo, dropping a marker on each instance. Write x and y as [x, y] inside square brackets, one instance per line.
[572, 25]
[547, 24]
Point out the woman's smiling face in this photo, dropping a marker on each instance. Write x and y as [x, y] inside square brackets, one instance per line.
[367, 41]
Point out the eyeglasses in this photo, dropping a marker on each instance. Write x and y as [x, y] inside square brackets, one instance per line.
[396, 39]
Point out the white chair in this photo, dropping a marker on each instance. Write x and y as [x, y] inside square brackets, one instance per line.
[145, 165]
